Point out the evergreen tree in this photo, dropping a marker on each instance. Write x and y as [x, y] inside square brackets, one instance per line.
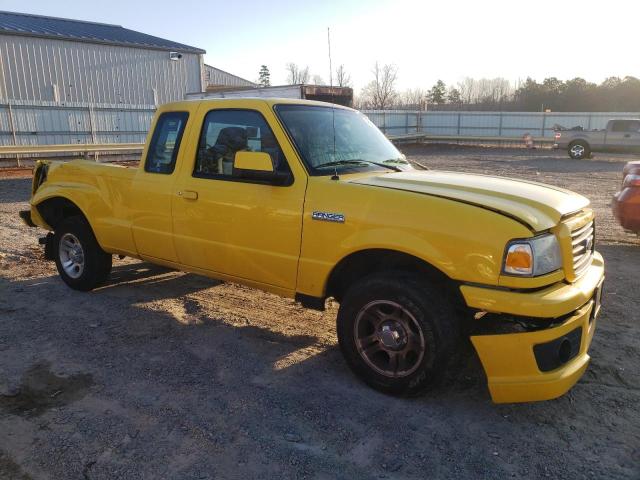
[438, 93]
[264, 77]
[454, 97]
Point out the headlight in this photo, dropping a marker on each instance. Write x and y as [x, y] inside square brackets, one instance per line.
[39, 175]
[532, 257]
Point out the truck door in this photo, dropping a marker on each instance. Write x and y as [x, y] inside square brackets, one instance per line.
[632, 136]
[151, 190]
[624, 135]
[247, 229]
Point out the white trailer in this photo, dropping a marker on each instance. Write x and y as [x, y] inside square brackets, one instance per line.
[323, 93]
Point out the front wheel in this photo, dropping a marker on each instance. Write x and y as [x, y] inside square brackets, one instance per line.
[397, 332]
[81, 263]
[579, 150]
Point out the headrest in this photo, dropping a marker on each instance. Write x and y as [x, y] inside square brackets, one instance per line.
[235, 138]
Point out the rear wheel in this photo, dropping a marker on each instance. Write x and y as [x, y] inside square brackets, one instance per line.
[397, 332]
[579, 150]
[81, 263]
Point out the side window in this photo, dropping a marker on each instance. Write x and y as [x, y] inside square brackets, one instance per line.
[633, 127]
[165, 143]
[620, 126]
[226, 132]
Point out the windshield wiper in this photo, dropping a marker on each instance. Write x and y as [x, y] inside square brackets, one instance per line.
[400, 160]
[357, 161]
[385, 165]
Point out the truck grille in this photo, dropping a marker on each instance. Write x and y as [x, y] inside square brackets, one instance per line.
[582, 244]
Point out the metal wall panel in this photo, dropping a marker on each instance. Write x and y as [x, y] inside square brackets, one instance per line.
[37, 69]
[49, 123]
[488, 124]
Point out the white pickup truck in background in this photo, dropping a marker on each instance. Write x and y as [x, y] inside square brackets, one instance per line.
[618, 136]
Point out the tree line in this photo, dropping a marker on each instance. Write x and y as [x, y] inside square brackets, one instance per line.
[297, 75]
[615, 94]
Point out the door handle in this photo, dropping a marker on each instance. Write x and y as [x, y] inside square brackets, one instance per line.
[188, 194]
[627, 135]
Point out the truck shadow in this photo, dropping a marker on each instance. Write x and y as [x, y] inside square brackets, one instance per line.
[143, 308]
[150, 317]
[154, 282]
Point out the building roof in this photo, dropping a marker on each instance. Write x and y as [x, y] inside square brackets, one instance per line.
[12, 23]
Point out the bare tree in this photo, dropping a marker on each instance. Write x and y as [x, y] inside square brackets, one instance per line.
[380, 93]
[501, 90]
[297, 75]
[489, 91]
[414, 98]
[360, 102]
[317, 80]
[343, 79]
[468, 90]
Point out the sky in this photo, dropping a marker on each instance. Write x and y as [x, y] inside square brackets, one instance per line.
[425, 40]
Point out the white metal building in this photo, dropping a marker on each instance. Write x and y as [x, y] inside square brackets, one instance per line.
[61, 60]
[216, 78]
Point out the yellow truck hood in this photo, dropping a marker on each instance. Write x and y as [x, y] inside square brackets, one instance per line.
[537, 205]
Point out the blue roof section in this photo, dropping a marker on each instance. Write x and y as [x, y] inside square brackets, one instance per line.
[78, 30]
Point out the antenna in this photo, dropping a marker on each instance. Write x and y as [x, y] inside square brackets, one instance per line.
[333, 124]
[330, 67]
[333, 109]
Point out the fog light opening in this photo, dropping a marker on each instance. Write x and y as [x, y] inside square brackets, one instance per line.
[564, 351]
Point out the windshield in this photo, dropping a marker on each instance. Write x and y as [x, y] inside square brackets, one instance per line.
[335, 139]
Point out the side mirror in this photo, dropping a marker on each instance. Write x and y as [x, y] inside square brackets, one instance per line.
[252, 162]
[259, 167]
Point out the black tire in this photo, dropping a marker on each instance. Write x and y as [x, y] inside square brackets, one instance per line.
[428, 307]
[96, 263]
[579, 150]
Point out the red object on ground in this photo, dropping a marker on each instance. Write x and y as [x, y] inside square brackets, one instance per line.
[19, 172]
[626, 203]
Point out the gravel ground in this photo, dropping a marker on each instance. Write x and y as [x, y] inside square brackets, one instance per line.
[162, 374]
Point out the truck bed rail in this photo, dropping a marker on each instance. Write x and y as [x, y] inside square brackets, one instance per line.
[18, 151]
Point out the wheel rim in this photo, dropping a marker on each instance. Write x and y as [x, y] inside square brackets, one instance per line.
[389, 339]
[577, 150]
[71, 255]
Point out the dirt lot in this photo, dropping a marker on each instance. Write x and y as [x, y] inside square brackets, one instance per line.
[168, 375]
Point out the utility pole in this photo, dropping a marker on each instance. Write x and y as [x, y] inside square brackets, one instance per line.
[330, 67]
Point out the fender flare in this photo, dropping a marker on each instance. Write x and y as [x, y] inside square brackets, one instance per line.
[71, 193]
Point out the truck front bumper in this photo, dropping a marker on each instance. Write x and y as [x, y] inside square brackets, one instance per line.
[545, 363]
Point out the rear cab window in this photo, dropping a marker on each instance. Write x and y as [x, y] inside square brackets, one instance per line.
[634, 127]
[625, 126]
[165, 143]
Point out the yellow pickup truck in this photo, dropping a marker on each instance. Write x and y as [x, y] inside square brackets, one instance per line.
[310, 200]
